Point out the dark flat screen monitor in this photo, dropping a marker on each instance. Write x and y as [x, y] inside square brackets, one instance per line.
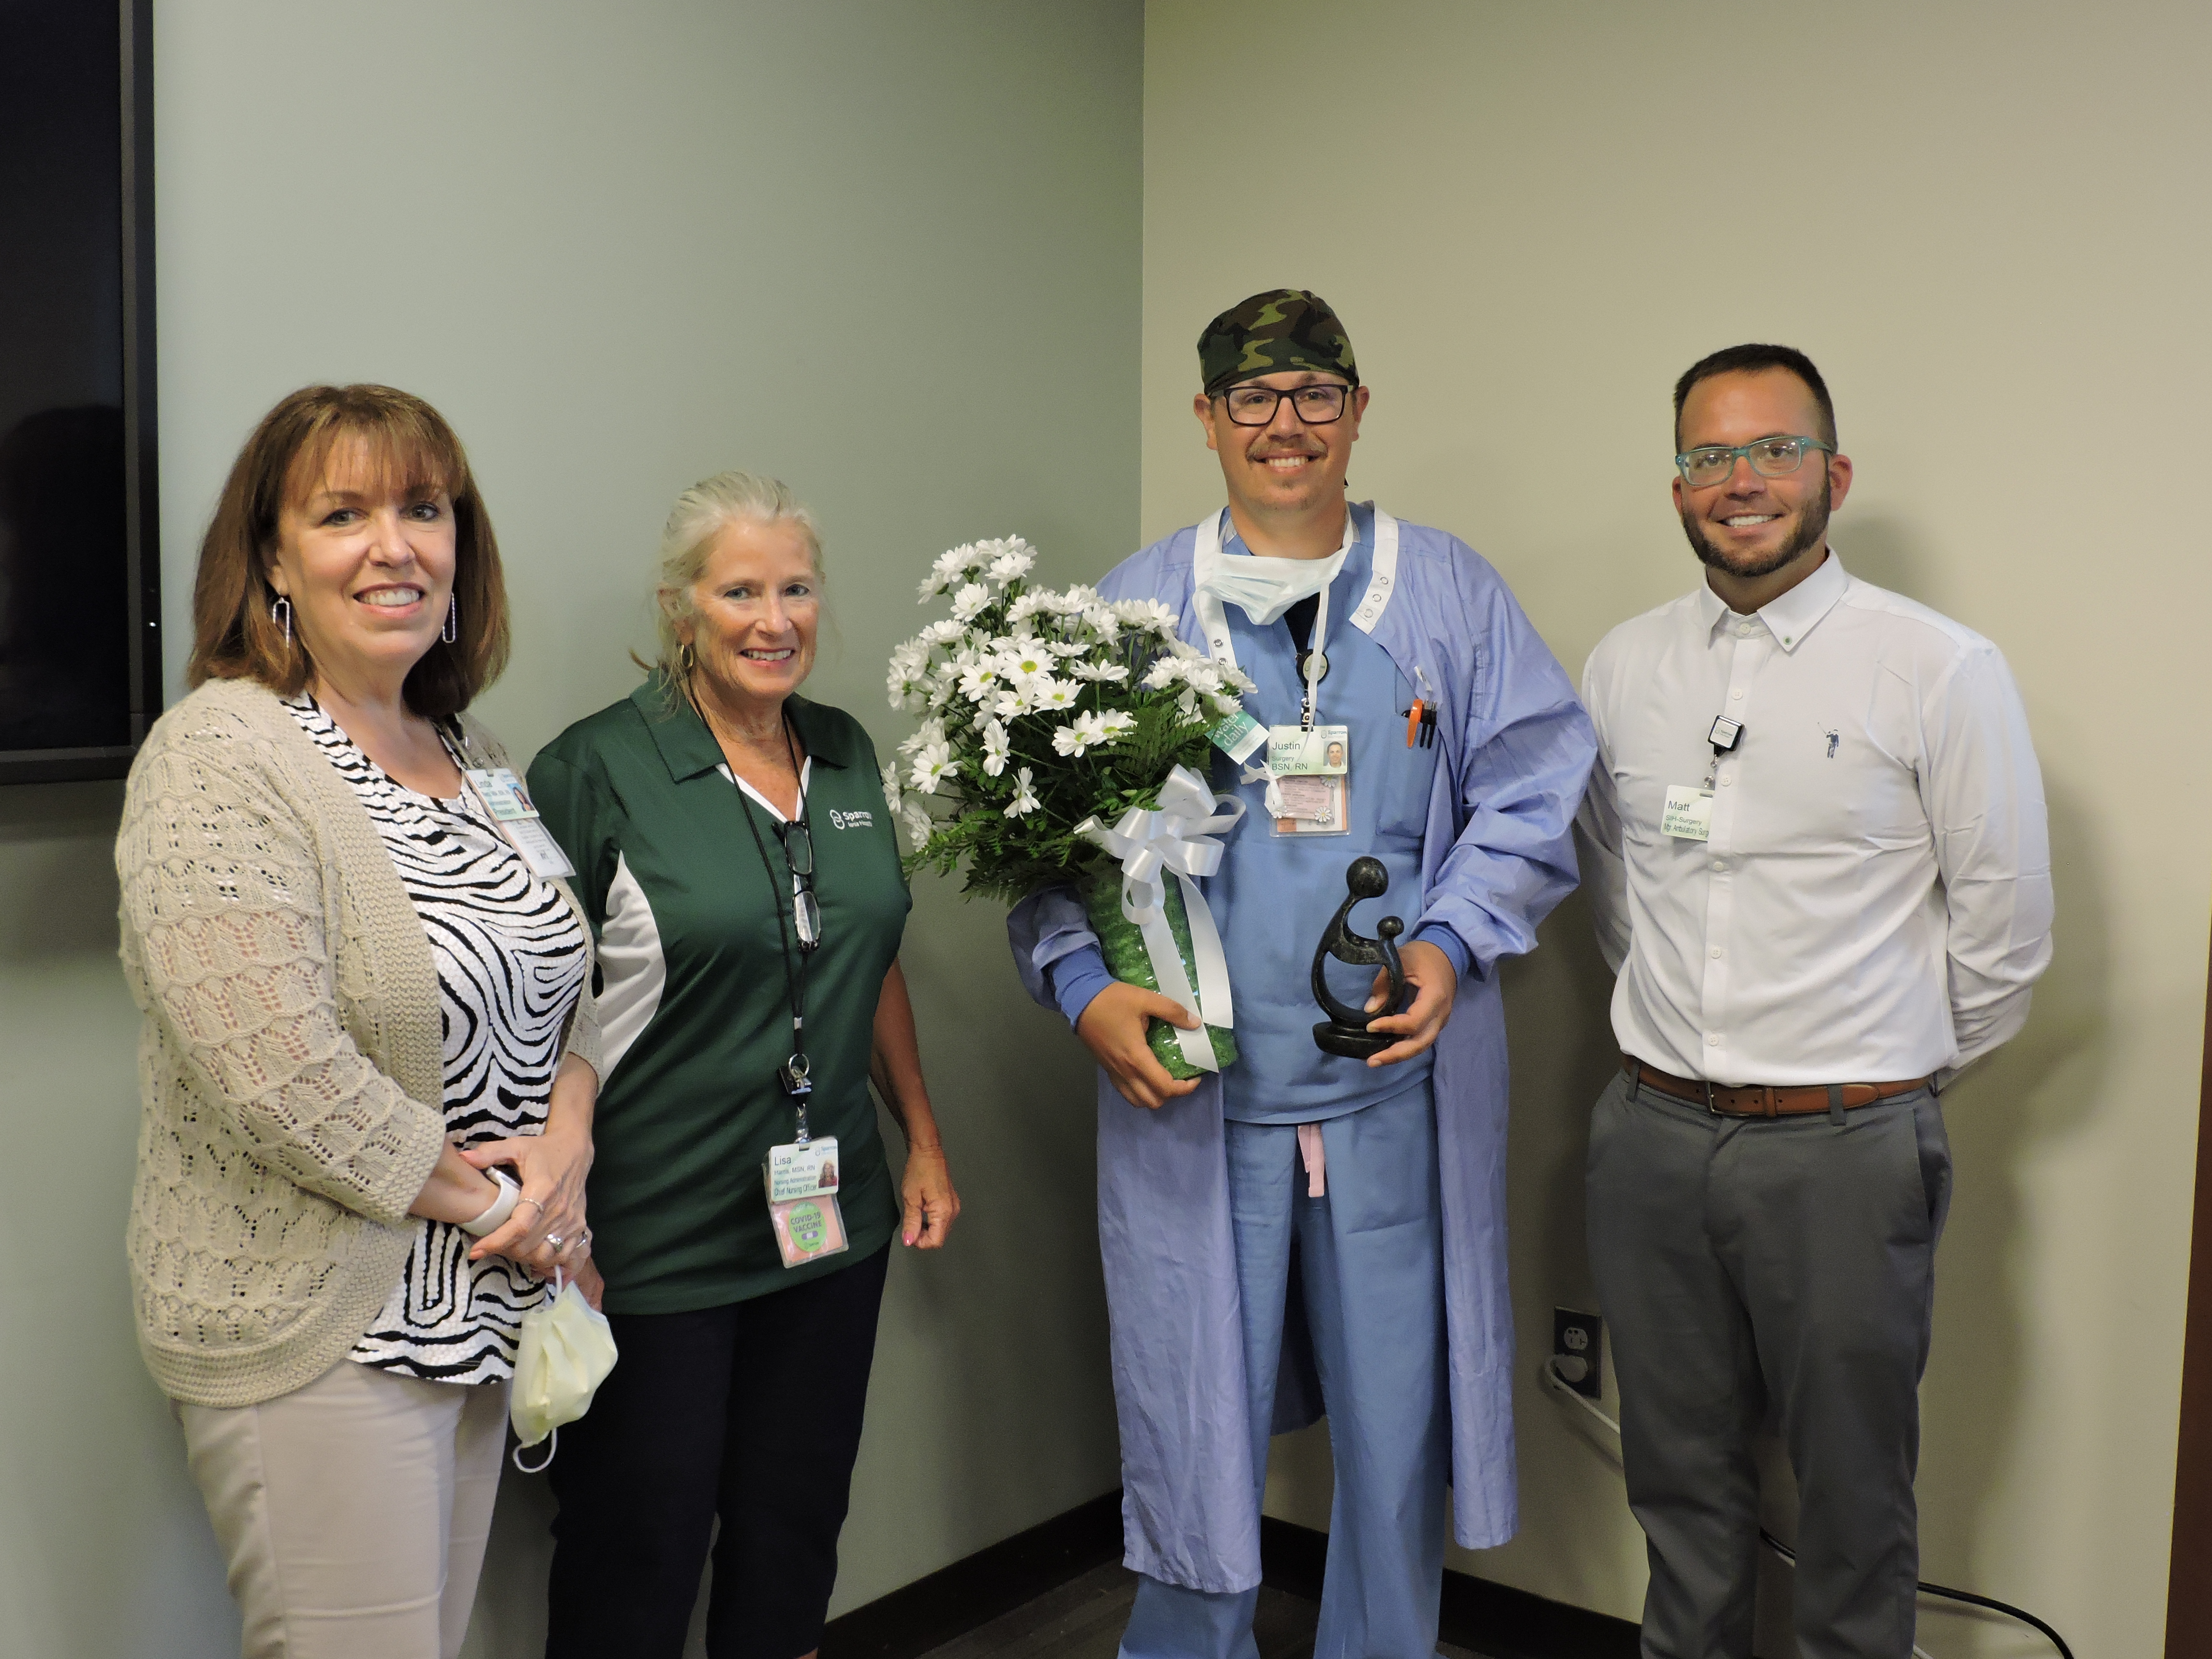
[80, 617]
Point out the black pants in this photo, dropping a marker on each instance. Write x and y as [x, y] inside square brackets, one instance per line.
[1791, 1259]
[750, 1412]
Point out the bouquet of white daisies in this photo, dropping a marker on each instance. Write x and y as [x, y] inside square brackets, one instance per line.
[1064, 739]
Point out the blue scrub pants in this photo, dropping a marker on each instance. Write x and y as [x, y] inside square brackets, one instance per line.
[1371, 1261]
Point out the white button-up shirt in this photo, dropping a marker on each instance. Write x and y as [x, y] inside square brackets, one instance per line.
[1875, 899]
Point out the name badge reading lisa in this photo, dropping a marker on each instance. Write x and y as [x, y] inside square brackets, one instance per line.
[1688, 815]
[502, 795]
[802, 1201]
[802, 1169]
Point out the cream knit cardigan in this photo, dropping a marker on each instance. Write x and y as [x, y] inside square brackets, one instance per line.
[290, 1066]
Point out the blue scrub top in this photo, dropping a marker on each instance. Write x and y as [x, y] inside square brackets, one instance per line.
[1273, 894]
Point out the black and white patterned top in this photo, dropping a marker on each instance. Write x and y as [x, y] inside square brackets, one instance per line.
[511, 957]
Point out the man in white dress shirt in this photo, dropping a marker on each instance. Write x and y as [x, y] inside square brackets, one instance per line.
[1814, 840]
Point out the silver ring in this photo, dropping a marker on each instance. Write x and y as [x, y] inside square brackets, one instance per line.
[557, 1241]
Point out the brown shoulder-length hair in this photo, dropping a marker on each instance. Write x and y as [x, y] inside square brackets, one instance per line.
[236, 635]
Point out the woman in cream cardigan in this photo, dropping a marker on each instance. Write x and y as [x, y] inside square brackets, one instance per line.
[365, 1003]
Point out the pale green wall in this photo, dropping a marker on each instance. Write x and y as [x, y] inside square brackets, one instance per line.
[1985, 222]
[620, 248]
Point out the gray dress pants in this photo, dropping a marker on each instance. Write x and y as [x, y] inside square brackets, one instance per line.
[1745, 1261]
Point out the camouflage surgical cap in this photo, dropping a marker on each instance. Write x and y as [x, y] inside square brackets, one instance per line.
[1284, 328]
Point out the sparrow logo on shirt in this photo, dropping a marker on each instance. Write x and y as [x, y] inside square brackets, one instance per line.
[851, 820]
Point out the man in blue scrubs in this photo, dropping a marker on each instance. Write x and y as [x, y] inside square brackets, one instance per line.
[1303, 1225]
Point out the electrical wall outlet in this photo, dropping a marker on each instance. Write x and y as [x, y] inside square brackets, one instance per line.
[1578, 1351]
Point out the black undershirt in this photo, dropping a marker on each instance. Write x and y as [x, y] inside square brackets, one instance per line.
[1299, 619]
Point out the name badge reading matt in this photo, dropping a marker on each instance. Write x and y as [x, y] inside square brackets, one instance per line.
[1689, 813]
[502, 795]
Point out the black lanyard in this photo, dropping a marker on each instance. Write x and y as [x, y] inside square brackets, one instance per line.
[794, 1073]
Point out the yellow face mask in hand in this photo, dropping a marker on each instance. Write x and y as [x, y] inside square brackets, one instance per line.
[567, 1350]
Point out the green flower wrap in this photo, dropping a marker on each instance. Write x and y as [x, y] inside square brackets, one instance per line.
[1127, 959]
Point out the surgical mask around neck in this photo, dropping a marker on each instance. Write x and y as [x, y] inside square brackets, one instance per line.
[1263, 589]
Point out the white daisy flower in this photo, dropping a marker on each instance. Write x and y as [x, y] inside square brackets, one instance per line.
[920, 826]
[932, 766]
[1116, 723]
[1015, 561]
[1028, 661]
[892, 794]
[1088, 732]
[930, 734]
[1025, 800]
[1099, 670]
[1052, 694]
[1149, 616]
[994, 748]
[982, 680]
[969, 601]
[1163, 674]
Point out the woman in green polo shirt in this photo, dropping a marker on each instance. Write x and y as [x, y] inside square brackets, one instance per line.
[735, 854]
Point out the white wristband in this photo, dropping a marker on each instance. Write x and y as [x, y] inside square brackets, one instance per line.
[502, 1207]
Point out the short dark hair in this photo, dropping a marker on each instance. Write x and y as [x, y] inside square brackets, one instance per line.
[1750, 360]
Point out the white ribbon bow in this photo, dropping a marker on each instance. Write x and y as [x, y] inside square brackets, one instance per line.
[1178, 836]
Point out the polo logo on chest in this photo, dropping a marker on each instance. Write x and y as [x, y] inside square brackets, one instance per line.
[851, 820]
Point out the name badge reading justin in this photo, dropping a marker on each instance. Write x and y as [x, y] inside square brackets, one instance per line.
[1310, 780]
[502, 795]
[1294, 751]
[1689, 813]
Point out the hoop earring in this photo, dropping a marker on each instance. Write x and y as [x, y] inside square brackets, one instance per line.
[280, 610]
[686, 660]
[451, 630]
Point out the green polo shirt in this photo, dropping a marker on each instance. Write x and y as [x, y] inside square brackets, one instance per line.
[688, 1103]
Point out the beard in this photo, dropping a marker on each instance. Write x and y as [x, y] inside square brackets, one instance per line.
[1812, 531]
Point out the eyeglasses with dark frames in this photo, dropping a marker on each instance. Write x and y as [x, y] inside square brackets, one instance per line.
[1318, 405]
[1770, 457]
[799, 853]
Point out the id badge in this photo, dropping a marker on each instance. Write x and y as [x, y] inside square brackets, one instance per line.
[801, 1179]
[502, 795]
[1310, 780]
[1689, 813]
[802, 1169]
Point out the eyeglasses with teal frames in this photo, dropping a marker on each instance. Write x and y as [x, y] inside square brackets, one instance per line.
[1769, 458]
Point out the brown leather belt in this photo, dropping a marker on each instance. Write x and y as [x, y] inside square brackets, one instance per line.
[1762, 1100]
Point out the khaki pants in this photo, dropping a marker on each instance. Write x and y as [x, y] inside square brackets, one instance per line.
[353, 1512]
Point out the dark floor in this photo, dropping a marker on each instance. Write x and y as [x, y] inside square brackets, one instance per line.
[1083, 1619]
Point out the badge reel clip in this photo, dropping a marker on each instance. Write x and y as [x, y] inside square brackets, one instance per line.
[1688, 812]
